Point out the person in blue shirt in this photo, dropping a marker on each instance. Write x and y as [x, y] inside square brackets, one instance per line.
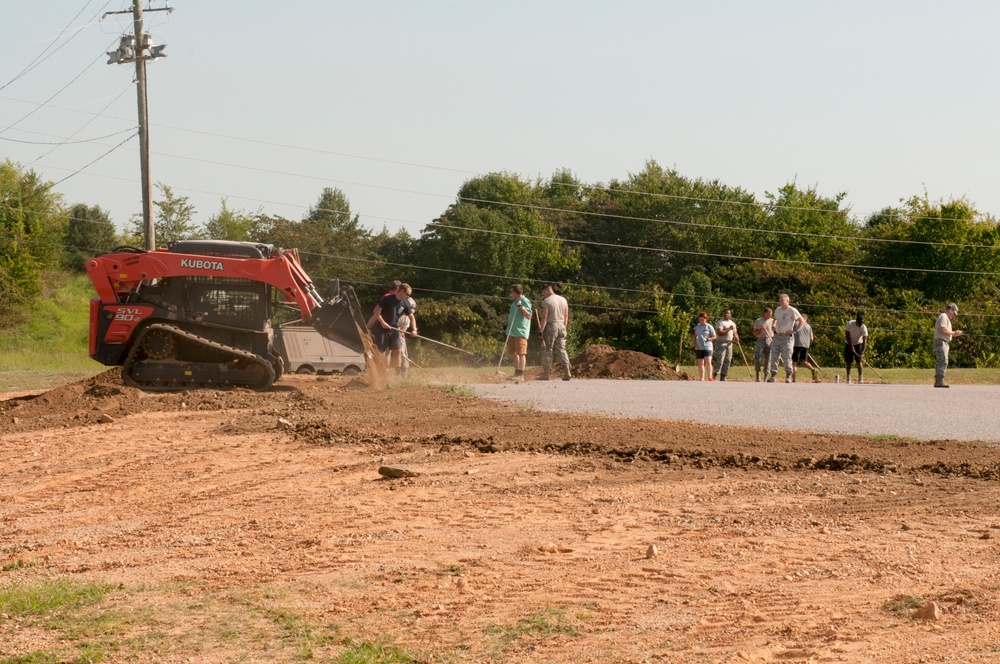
[704, 335]
[518, 329]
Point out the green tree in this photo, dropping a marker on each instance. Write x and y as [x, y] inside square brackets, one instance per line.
[173, 218]
[235, 225]
[32, 224]
[89, 233]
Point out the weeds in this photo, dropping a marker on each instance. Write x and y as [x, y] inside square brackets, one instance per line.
[375, 653]
[461, 390]
[544, 624]
[902, 604]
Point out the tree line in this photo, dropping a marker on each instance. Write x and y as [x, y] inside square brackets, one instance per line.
[637, 258]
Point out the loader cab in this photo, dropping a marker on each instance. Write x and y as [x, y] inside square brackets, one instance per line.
[229, 302]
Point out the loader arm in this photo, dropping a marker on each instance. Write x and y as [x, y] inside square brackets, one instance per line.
[116, 276]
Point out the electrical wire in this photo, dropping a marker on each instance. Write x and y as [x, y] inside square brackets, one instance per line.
[84, 125]
[766, 206]
[68, 141]
[39, 59]
[58, 92]
[91, 163]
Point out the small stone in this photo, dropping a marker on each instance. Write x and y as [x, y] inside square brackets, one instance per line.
[652, 551]
[16, 420]
[105, 419]
[905, 526]
[984, 536]
[397, 472]
[548, 548]
[929, 611]
[284, 424]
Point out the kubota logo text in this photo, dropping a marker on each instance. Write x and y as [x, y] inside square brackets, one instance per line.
[201, 265]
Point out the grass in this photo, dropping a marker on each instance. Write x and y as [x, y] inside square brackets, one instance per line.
[541, 625]
[461, 390]
[902, 605]
[50, 347]
[375, 653]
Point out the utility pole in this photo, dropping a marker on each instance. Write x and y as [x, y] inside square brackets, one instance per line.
[138, 48]
[140, 87]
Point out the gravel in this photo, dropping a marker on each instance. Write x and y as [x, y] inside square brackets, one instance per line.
[964, 412]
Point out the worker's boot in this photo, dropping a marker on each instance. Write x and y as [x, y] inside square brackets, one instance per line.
[939, 382]
[722, 377]
[757, 379]
[793, 377]
[815, 375]
[567, 375]
[774, 374]
[544, 376]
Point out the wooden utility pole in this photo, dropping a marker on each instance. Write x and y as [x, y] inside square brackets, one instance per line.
[140, 86]
[138, 48]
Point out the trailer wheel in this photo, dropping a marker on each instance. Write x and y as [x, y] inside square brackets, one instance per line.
[305, 369]
[351, 371]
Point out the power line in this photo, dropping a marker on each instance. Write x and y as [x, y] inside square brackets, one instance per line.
[39, 59]
[66, 142]
[60, 90]
[767, 206]
[84, 125]
[91, 163]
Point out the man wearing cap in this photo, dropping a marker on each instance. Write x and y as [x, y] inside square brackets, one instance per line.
[943, 334]
[763, 329]
[787, 321]
[855, 340]
[725, 331]
[552, 324]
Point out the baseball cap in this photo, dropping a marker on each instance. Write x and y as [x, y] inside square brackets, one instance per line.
[953, 307]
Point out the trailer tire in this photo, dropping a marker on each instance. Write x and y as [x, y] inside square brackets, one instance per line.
[305, 369]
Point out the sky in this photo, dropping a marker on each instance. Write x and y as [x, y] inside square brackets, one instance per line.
[398, 103]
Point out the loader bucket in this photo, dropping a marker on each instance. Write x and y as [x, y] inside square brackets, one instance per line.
[339, 319]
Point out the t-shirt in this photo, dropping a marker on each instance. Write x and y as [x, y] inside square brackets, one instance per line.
[784, 320]
[702, 334]
[856, 333]
[803, 338]
[725, 328]
[392, 309]
[517, 324]
[943, 323]
[765, 324]
[556, 306]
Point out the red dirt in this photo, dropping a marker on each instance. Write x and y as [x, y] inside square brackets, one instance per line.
[601, 361]
[770, 548]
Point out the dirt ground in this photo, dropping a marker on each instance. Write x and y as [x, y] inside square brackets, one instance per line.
[521, 536]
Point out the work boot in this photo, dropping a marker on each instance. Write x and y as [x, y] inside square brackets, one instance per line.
[793, 378]
[544, 376]
[757, 379]
[770, 379]
[815, 376]
[860, 380]
[939, 382]
[567, 376]
[722, 377]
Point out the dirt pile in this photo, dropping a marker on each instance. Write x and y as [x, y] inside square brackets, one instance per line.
[602, 361]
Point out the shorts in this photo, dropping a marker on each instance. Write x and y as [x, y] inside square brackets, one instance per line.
[849, 353]
[703, 354]
[517, 345]
[388, 339]
[800, 354]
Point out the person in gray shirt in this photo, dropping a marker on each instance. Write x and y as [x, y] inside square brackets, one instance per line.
[800, 352]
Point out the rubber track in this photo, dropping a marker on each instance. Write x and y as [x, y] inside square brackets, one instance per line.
[171, 329]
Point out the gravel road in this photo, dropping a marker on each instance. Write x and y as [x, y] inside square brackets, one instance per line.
[964, 412]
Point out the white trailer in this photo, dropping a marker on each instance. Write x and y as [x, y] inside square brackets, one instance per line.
[306, 351]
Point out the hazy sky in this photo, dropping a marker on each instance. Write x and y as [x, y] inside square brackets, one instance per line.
[397, 103]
